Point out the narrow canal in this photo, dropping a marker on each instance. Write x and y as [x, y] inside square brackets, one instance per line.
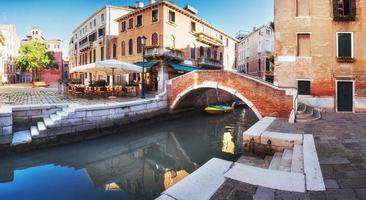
[132, 164]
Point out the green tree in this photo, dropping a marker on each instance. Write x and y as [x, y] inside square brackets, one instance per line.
[33, 56]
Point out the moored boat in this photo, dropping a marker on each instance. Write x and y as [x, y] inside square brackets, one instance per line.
[219, 109]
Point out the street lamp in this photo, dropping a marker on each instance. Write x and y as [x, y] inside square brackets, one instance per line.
[143, 44]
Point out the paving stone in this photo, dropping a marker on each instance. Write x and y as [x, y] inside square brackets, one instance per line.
[361, 193]
[352, 183]
[331, 184]
[334, 161]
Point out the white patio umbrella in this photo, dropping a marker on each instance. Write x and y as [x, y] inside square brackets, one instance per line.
[109, 67]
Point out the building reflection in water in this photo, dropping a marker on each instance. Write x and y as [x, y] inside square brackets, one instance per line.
[143, 163]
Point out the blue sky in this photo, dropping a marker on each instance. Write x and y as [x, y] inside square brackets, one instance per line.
[58, 19]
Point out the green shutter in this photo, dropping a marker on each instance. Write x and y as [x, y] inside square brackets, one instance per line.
[345, 45]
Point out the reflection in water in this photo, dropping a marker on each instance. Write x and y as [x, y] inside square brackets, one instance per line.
[136, 164]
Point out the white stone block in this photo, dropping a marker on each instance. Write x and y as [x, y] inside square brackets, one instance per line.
[138, 108]
[21, 137]
[280, 180]
[6, 121]
[313, 172]
[7, 130]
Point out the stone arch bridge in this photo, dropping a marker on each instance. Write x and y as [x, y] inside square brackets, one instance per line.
[263, 98]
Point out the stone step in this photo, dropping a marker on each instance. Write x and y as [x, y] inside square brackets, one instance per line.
[68, 110]
[316, 116]
[51, 124]
[301, 108]
[297, 164]
[307, 114]
[255, 161]
[275, 179]
[41, 126]
[286, 160]
[61, 113]
[276, 161]
[21, 137]
[55, 118]
[34, 131]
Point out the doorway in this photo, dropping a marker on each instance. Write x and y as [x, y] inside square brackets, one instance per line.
[344, 96]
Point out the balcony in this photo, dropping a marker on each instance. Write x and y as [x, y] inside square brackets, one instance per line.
[210, 63]
[85, 46]
[162, 52]
[209, 40]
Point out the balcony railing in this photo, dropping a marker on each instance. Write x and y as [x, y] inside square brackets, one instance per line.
[207, 39]
[85, 46]
[209, 62]
[154, 52]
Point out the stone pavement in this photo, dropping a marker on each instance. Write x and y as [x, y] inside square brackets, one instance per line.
[341, 145]
[25, 95]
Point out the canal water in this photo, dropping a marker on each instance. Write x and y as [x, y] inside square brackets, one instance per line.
[139, 163]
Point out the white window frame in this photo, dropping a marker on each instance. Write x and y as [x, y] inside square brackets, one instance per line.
[157, 16]
[352, 43]
[142, 20]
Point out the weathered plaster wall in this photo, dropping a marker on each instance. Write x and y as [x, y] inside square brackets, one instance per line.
[322, 67]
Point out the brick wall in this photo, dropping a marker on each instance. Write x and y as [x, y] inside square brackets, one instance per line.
[266, 99]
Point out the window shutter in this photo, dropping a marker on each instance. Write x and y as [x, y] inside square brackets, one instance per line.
[344, 45]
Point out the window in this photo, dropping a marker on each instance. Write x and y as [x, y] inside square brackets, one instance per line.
[171, 16]
[303, 87]
[101, 32]
[344, 45]
[114, 51]
[139, 44]
[259, 65]
[94, 55]
[101, 53]
[91, 25]
[303, 45]
[95, 22]
[268, 65]
[123, 48]
[91, 57]
[221, 56]
[123, 26]
[130, 23]
[171, 41]
[208, 53]
[130, 47]
[302, 8]
[155, 15]
[139, 21]
[193, 52]
[202, 51]
[344, 10]
[227, 42]
[193, 27]
[102, 17]
[215, 55]
[155, 39]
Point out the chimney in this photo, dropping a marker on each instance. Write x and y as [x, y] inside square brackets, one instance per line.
[254, 28]
[139, 4]
[152, 1]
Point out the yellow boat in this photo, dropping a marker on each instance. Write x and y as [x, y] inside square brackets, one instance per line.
[215, 110]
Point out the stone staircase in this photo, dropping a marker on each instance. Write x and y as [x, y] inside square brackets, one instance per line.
[307, 113]
[43, 127]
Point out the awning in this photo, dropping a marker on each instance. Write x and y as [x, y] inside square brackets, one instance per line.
[147, 65]
[180, 68]
[109, 67]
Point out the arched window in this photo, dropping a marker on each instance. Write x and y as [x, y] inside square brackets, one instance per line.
[202, 51]
[208, 53]
[171, 41]
[215, 55]
[114, 51]
[130, 47]
[139, 44]
[123, 48]
[155, 39]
